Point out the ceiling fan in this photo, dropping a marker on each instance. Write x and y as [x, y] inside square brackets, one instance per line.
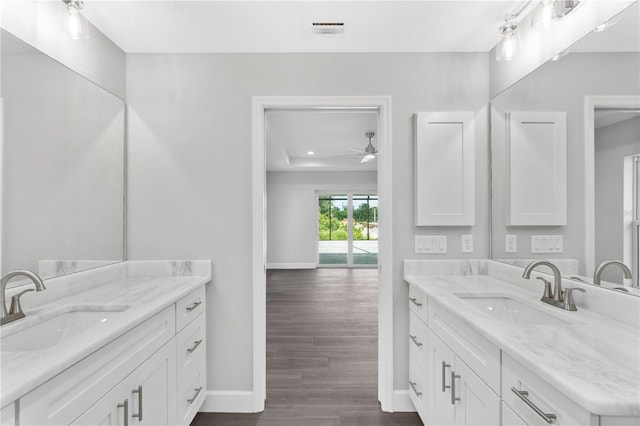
[370, 152]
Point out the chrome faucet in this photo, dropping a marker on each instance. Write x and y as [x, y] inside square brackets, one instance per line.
[557, 297]
[15, 310]
[600, 268]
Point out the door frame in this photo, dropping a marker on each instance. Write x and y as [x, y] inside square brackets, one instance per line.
[385, 265]
[591, 103]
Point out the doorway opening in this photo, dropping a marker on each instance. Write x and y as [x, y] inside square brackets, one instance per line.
[382, 106]
[348, 230]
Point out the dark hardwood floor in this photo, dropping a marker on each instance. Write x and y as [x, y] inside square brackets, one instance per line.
[322, 328]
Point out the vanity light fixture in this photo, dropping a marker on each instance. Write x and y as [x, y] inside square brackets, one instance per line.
[610, 23]
[510, 42]
[73, 21]
[546, 12]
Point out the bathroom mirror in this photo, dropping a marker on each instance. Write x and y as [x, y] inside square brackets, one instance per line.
[604, 66]
[62, 166]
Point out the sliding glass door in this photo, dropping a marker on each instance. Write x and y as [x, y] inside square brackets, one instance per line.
[347, 229]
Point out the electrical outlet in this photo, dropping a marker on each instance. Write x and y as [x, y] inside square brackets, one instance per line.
[466, 244]
[510, 243]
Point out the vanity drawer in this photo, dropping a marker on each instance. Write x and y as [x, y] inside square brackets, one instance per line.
[190, 307]
[482, 356]
[418, 387]
[418, 339]
[191, 363]
[418, 302]
[540, 394]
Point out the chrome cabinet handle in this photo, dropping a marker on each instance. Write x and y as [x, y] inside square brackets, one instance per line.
[444, 375]
[413, 386]
[454, 376]
[198, 390]
[192, 307]
[415, 340]
[415, 302]
[139, 392]
[549, 418]
[197, 343]
[125, 405]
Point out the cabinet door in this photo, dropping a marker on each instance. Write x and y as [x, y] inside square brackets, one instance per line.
[122, 405]
[444, 152]
[509, 418]
[440, 359]
[475, 402]
[152, 388]
[537, 168]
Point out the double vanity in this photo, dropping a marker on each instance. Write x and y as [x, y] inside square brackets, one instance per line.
[122, 344]
[484, 349]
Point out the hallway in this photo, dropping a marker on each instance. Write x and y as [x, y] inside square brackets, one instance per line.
[322, 330]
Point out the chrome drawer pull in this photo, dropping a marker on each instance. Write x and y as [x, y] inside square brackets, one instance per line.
[415, 302]
[444, 375]
[454, 376]
[549, 418]
[415, 340]
[413, 386]
[192, 307]
[139, 392]
[125, 405]
[198, 390]
[197, 343]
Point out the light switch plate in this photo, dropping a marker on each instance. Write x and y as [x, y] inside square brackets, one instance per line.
[510, 243]
[546, 244]
[431, 244]
[466, 244]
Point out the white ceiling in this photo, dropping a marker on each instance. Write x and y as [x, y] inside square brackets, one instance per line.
[285, 26]
[607, 117]
[333, 135]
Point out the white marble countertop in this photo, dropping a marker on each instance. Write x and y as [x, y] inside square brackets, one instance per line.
[590, 358]
[144, 296]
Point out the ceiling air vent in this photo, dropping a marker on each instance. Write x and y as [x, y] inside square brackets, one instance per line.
[327, 28]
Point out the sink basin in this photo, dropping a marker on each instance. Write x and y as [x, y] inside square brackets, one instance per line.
[58, 329]
[509, 310]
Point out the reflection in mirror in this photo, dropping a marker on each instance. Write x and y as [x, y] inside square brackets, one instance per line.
[62, 166]
[605, 66]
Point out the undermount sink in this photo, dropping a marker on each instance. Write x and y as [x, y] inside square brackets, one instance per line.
[506, 309]
[58, 329]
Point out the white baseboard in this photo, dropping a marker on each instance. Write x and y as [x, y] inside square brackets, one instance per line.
[401, 402]
[291, 266]
[228, 402]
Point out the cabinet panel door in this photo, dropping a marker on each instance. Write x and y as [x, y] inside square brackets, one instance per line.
[440, 359]
[510, 418]
[108, 411]
[444, 169]
[477, 404]
[537, 168]
[153, 385]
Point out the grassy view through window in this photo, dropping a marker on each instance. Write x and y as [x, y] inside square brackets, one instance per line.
[333, 227]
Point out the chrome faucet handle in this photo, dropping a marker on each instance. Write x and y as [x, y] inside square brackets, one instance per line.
[569, 305]
[15, 310]
[548, 293]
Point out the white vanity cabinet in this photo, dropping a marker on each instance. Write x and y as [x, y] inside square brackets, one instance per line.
[457, 394]
[148, 376]
[145, 397]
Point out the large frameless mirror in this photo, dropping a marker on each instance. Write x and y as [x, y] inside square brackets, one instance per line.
[594, 89]
[62, 166]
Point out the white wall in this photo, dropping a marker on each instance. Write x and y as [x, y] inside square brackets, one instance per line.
[190, 167]
[292, 212]
[557, 86]
[612, 144]
[37, 23]
[62, 165]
